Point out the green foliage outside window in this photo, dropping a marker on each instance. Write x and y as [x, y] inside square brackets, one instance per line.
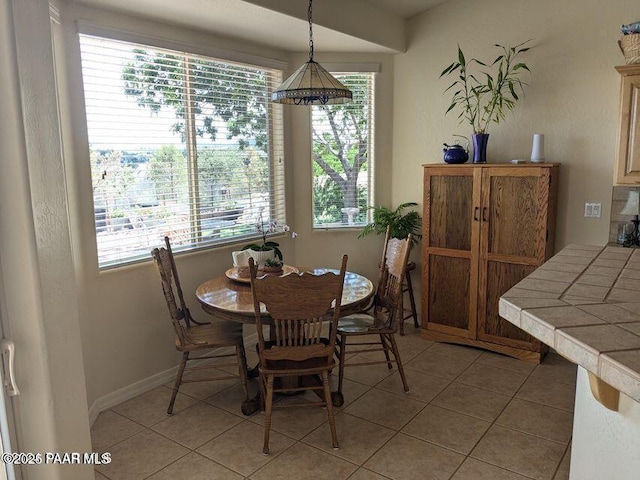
[342, 146]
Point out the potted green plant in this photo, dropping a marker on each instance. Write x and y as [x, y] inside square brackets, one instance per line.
[402, 224]
[268, 248]
[485, 97]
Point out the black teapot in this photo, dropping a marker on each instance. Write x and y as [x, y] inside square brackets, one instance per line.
[456, 153]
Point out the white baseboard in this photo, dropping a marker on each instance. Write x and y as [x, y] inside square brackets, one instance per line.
[130, 391]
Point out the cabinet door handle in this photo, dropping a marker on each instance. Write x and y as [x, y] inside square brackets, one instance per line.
[484, 214]
[475, 213]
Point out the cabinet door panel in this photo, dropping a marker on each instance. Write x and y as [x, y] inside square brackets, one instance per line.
[449, 291]
[633, 143]
[451, 210]
[500, 278]
[485, 228]
[627, 165]
[513, 208]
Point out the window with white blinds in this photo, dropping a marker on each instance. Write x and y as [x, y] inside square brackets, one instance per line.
[343, 156]
[180, 145]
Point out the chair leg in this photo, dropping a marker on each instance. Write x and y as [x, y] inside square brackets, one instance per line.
[412, 301]
[400, 313]
[328, 401]
[408, 287]
[386, 351]
[242, 369]
[263, 390]
[176, 385]
[396, 353]
[267, 419]
[343, 349]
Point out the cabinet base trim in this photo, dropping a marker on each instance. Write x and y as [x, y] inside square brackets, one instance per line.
[526, 355]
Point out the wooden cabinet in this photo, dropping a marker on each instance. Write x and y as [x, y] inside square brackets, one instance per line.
[485, 227]
[627, 166]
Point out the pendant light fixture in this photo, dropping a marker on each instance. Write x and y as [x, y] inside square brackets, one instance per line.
[311, 84]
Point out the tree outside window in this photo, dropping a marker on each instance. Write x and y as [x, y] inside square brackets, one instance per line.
[343, 156]
[180, 145]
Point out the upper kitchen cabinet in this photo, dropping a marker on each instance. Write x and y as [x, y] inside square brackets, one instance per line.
[627, 166]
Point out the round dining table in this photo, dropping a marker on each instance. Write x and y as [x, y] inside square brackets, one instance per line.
[229, 297]
[232, 299]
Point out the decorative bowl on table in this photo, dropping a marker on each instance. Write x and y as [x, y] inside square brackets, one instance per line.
[271, 266]
[272, 270]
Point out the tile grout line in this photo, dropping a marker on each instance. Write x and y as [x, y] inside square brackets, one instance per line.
[467, 456]
[493, 423]
[514, 397]
[396, 431]
[566, 451]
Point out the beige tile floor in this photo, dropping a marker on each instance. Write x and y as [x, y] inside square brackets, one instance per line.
[470, 415]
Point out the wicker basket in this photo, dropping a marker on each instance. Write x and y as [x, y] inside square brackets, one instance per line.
[630, 46]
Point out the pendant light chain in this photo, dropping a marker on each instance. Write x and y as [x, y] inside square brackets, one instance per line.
[311, 84]
[310, 14]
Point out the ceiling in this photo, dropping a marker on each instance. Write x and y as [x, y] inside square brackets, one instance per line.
[281, 25]
[404, 8]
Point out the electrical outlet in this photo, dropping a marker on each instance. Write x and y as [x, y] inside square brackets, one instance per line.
[593, 210]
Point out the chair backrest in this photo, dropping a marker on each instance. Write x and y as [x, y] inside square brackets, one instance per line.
[170, 282]
[297, 305]
[393, 268]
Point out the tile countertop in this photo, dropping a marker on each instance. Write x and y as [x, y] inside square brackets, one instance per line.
[585, 303]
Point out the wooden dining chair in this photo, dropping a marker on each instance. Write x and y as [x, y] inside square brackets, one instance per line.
[380, 319]
[194, 336]
[297, 305]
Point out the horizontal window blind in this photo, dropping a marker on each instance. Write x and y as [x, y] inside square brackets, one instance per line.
[343, 156]
[180, 145]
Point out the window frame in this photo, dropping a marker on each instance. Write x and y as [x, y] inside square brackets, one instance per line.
[341, 70]
[274, 130]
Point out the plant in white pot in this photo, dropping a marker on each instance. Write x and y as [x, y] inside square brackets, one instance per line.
[268, 249]
[484, 97]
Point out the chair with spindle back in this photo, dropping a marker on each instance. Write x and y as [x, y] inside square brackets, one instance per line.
[380, 320]
[193, 336]
[297, 305]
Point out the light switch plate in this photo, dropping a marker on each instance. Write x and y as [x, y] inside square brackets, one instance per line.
[592, 210]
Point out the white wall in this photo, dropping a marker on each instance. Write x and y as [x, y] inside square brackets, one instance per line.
[605, 444]
[572, 96]
[35, 248]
